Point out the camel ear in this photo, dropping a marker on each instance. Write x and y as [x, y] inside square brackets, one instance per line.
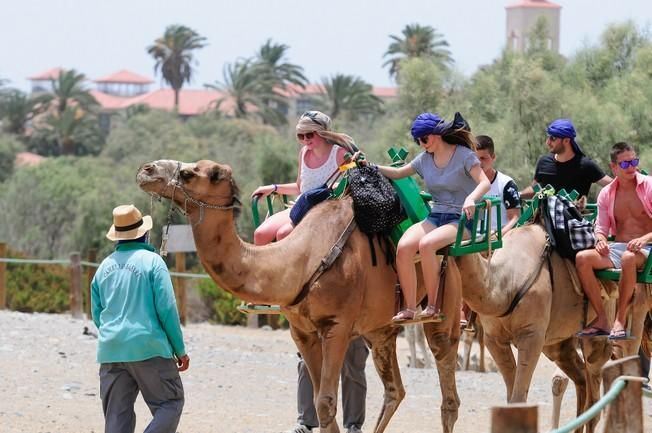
[219, 172]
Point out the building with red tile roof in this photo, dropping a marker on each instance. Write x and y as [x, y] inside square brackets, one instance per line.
[121, 89]
[124, 77]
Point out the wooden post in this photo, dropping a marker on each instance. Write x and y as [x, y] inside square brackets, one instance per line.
[76, 308]
[514, 418]
[90, 273]
[625, 413]
[3, 277]
[253, 320]
[180, 285]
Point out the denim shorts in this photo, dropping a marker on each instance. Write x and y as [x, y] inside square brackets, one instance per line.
[616, 250]
[439, 219]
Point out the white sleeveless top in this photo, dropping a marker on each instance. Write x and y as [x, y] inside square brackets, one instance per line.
[312, 178]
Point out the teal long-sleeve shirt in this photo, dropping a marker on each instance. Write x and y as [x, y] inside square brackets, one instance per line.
[134, 308]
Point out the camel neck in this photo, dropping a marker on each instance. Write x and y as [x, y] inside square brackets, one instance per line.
[238, 267]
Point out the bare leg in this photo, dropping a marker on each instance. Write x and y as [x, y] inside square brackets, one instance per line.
[406, 250]
[430, 263]
[586, 262]
[266, 232]
[630, 262]
[284, 230]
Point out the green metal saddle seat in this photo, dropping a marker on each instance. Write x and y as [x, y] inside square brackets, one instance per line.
[417, 207]
[590, 213]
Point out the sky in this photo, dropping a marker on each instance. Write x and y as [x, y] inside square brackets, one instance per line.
[99, 37]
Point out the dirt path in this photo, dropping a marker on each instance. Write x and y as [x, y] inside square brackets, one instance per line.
[240, 381]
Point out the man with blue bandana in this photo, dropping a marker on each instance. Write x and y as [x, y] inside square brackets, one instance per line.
[566, 166]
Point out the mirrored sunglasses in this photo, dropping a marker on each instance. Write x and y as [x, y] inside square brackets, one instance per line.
[626, 164]
[306, 136]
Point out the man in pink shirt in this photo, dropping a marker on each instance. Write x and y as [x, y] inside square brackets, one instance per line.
[625, 212]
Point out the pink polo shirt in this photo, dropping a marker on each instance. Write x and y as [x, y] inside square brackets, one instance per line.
[606, 222]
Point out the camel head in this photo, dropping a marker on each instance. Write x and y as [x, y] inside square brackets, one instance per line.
[192, 186]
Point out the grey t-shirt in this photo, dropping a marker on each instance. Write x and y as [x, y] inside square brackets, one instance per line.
[450, 185]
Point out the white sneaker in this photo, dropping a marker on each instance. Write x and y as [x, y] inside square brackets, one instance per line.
[300, 428]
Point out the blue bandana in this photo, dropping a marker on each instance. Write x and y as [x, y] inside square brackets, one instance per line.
[564, 128]
[428, 123]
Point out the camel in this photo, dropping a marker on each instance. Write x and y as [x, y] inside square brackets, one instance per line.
[350, 299]
[544, 321]
[641, 306]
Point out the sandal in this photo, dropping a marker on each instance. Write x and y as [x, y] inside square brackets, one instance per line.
[431, 314]
[404, 315]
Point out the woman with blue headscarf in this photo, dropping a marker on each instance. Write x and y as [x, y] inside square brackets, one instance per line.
[453, 176]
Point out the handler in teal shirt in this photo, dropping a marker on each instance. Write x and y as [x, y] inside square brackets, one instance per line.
[140, 343]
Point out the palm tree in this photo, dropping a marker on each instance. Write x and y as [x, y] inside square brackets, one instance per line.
[251, 91]
[67, 117]
[351, 95]
[17, 108]
[417, 41]
[68, 88]
[271, 58]
[173, 53]
[276, 72]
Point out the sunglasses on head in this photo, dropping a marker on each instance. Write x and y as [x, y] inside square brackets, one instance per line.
[306, 136]
[313, 115]
[423, 139]
[631, 163]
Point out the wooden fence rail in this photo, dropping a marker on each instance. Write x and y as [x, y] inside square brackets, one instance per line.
[79, 308]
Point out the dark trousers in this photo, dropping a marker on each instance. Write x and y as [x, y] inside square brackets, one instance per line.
[157, 379]
[354, 388]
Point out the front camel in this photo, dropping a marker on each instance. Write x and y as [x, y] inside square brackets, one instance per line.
[351, 298]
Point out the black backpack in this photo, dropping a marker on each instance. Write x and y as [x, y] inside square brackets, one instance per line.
[568, 230]
[376, 205]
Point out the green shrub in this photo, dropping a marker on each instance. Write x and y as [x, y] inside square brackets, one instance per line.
[222, 304]
[37, 288]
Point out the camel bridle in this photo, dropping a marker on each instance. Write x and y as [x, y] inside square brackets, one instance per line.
[176, 183]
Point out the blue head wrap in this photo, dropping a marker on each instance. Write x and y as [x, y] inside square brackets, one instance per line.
[428, 123]
[564, 128]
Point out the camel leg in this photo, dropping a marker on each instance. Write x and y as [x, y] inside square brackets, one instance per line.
[445, 351]
[467, 342]
[421, 341]
[383, 352]
[596, 354]
[501, 352]
[559, 384]
[410, 336]
[529, 343]
[324, 358]
[482, 368]
[333, 348]
[310, 348]
[565, 355]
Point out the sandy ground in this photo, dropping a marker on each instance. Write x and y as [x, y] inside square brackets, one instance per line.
[240, 380]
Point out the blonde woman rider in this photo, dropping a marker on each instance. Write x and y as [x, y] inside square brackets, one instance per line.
[321, 153]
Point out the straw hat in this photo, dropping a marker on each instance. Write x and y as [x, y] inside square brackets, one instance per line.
[128, 223]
